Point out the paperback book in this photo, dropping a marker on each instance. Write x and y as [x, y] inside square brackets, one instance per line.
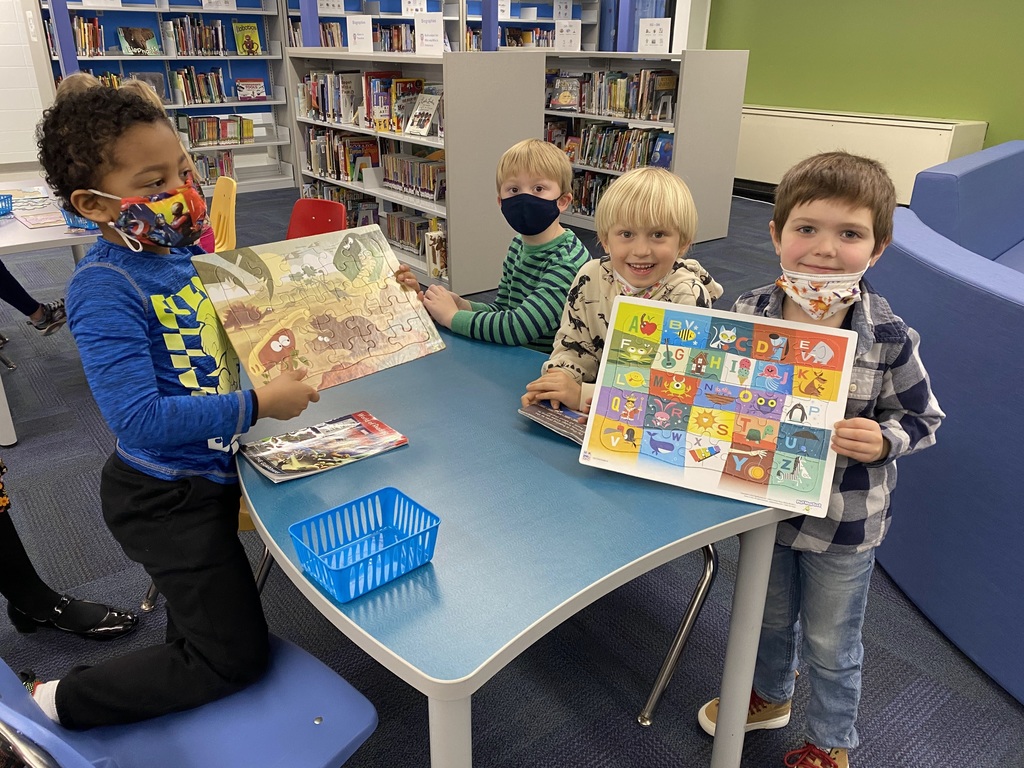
[564, 420]
[320, 447]
[247, 38]
[250, 89]
[138, 41]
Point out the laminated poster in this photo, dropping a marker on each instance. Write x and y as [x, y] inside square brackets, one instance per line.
[721, 402]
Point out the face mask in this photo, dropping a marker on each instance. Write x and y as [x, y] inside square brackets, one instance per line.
[528, 214]
[169, 219]
[821, 296]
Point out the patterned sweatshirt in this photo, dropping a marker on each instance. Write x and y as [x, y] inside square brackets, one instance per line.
[158, 362]
[534, 282]
[581, 336]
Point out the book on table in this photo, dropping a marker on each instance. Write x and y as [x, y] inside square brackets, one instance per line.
[563, 420]
[320, 447]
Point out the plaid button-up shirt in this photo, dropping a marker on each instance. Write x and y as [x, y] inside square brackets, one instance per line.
[890, 386]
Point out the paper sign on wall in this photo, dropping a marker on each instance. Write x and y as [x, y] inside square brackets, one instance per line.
[568, 35]
[504, 10]
[360, 33]
[412, 7]
[562, 9]
[101, 3]
[654, 35]
[219, 5]
[429, 33]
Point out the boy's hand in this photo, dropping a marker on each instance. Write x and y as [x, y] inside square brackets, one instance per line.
[407, 279]
[555, 386]
[860, 439]
[442, 304]
[585, 408]
[286, 396]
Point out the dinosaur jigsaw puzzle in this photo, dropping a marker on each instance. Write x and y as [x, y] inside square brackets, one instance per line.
[724, 403]
[328, 303]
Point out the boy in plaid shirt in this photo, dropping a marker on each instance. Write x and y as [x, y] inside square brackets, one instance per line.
[832, 220]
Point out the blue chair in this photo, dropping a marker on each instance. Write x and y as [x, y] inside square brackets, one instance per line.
[301, 713]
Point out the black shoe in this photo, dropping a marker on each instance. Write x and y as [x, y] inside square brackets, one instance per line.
[114, 624]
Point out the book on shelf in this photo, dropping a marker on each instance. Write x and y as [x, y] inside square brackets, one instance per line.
[138, 41]
[572, 148]
[247, 38]
[435, 249]
[320, 447]
[566, 94]
[564, 420]
[422, 116]
[401, 111]
[377, 86]
[661, 155]
[359, 153]
[250, 89]
[154, 80]
[403, 88]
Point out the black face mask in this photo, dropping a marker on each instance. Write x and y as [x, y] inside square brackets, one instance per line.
[528, 214]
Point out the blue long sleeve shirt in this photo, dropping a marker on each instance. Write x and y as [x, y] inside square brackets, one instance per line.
[158, 362]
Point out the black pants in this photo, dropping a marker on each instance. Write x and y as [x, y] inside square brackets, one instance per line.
[185, 534]
[14, 294]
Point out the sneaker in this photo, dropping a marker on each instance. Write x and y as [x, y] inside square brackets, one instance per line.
[29, 680]
[761, 715]
[810, 756]
[54, 316]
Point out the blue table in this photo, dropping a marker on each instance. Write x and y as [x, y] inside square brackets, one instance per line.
[528, 536]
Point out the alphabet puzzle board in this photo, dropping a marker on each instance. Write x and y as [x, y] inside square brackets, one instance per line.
[329, 303]
[720, 402]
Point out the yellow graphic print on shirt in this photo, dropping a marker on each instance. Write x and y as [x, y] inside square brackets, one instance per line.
[196, 341]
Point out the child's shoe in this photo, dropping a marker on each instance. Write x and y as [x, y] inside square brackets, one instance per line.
[810, 756]
[54, 316]
[761, 715]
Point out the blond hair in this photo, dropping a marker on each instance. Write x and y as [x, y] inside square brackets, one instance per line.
[647, 198]
[857, 181]
[538, 157]
[77, 82]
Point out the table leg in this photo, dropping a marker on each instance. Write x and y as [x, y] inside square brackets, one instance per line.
[451, 736]
[8, 436]
[77, 252]
[741, 651]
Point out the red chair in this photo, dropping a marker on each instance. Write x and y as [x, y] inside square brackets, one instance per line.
[312, 216]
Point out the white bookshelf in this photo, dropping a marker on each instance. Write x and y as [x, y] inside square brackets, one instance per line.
[705, 123]
[480, 124]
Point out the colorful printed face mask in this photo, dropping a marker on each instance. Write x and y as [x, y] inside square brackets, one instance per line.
[821, 295]
[168, 219]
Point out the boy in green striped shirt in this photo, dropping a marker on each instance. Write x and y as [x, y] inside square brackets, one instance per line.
[534, 182]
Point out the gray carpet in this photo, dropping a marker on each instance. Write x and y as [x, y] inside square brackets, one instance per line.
[570, 700]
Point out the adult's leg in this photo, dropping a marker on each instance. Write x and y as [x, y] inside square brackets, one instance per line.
[185, 534]
[19, 582]
[835, 594]
[776, 650]
[14, 294]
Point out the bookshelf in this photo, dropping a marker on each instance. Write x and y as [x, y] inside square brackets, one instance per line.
[529, 24]
[480, 123]
[706, 111]
[194, 62]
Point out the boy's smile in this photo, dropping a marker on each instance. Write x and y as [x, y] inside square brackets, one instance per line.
[827, 237]
[643, 257]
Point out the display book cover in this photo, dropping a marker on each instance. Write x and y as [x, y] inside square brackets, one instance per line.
[320, 447]
[735, 405]
[328, 303]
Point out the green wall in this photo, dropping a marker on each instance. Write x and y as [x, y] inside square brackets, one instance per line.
[925, 58]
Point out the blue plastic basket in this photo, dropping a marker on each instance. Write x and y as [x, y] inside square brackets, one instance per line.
[6, 204]
[365, 543]
[77, 222]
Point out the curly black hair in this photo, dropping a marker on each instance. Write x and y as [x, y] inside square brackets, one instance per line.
[77, 136]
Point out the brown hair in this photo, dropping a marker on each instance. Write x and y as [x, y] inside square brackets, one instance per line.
[859, 181]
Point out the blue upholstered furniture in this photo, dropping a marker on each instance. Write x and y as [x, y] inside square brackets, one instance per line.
[955, 272]
[300, 714]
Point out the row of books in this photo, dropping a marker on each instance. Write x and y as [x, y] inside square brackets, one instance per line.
[210, 167]
[188, 36]
[645, 95]
[394, 38]
[587, 188]
[337, 155]
[205, 131]
[88, 35]
[406, 229]
[615, 148]
[418, 176]
[517, 37]
[331, 35]
[199, 87]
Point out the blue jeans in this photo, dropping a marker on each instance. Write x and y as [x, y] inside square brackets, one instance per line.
[822, 597]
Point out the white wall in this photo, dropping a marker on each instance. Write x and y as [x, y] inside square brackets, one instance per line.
[25, 82]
